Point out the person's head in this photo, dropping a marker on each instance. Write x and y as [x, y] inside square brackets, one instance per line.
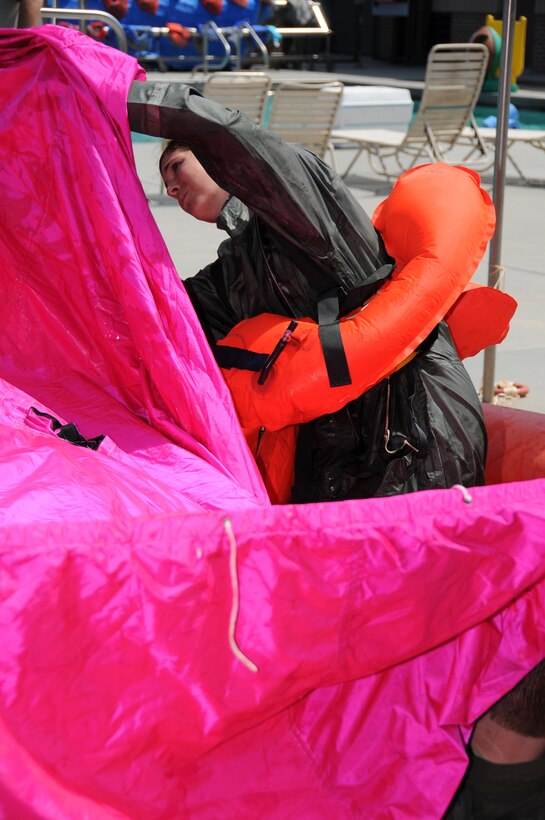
[186, 181]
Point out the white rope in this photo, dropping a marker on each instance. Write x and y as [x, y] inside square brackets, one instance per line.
[235, 649]
[499, 272]
[468, 499]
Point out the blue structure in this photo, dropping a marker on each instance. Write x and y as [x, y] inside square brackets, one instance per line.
[146, 42]
[514, 118]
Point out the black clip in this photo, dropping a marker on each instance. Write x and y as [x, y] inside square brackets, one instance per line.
[279, 347]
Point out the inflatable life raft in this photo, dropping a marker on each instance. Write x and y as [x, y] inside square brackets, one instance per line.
[436, 224]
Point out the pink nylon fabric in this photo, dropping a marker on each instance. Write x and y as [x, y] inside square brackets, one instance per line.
[380, 629]
[95, 322]
[367, 621]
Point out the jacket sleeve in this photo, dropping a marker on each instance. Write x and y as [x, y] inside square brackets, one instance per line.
[208, 293]
[297, 194]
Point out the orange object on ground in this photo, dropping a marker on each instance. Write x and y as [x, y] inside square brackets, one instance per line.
[436, 224]
[511, 389]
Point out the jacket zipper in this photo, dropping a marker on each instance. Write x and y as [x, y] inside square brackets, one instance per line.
[272, 278]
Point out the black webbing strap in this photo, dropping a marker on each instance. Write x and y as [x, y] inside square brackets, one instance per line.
[329, 329]
[359, 296]
[228, 357]
[330, 338]
[69, 432]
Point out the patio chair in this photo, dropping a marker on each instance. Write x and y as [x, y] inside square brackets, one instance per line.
[304, 113]
[515, 136]
[452, 84]
[245, 91]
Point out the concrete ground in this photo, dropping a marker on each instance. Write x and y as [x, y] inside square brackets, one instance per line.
[520, 358]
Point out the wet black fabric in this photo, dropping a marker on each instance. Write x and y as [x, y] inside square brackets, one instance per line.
[295, 233]
[410, 432]
[69, 432]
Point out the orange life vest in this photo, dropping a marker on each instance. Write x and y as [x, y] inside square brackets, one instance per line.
[436, 224]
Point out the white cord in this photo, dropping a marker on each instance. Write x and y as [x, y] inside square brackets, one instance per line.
[499, 272]
[237, 652]
[468, 499]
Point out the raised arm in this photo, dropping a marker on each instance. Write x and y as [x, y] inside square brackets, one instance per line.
[292, 190]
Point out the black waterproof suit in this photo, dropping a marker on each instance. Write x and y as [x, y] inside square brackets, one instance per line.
[297, 232]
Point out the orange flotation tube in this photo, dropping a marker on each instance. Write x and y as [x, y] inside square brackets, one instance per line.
[479, 318]
[436, 224]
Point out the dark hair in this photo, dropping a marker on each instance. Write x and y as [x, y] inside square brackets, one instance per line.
[522, 710]
[169, 148]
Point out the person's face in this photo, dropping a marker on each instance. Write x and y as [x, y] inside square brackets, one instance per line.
[187, 182]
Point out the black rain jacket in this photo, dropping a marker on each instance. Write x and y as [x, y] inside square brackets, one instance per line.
[295, 233]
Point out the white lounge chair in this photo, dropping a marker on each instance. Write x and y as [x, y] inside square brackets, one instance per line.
[245, 91]
[304, 113]
[453, 81]
[515, 136]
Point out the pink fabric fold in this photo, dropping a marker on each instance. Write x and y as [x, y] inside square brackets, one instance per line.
[93, 312]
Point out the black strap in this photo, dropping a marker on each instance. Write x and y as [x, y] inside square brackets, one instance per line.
[228, 357]
[329, 329]
[70, 432]
[331, 340]
[329, 332]
[358, 296]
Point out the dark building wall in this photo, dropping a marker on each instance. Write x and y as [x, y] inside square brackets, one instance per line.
[537, 56]
[466, 20]
[402, 39]
[343, 17]
[408, 39]
[535, 41]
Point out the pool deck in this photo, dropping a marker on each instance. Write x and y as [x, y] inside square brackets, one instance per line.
[521, 357]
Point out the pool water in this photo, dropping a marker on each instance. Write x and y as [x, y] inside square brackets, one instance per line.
[144, 138]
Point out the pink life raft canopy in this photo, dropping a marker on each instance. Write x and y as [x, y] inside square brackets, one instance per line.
[172, 645]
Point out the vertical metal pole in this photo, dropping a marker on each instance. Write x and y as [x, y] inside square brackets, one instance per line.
[500, 160]
[82, 25]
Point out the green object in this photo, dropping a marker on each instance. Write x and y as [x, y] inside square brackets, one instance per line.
[494, 68]
[492, 41]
